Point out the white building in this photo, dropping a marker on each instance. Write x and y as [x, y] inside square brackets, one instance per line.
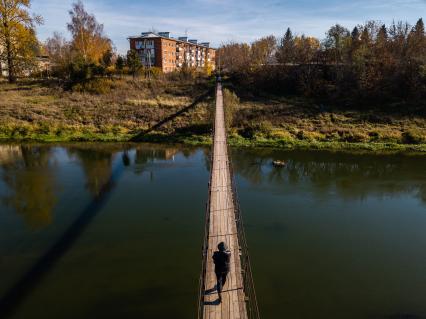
[3, 66]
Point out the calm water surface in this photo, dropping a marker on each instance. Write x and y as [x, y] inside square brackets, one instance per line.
[115, 231]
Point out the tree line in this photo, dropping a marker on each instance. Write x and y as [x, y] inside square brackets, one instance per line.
[373, 64]
[88, 53]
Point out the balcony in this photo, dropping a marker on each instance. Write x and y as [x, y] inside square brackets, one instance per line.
[144, 45]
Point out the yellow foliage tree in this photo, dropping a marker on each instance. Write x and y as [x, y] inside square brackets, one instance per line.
[18, 41]
[88, 39]
[208, 69]
[305, 48]
[262, 50]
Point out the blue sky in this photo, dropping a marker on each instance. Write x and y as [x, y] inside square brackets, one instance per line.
[220, 21]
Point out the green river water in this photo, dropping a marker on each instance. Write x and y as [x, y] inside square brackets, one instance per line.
[115, 231]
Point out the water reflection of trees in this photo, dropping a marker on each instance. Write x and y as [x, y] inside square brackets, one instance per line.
[96, 164]
[148, 154]
[350, 175]
[28, 174]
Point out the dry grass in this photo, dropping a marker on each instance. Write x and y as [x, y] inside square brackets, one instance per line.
[37, 110]
[128, 107]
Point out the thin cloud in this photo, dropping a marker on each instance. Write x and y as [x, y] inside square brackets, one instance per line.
[219, 21]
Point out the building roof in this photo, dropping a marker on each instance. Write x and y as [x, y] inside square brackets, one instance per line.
[153, 35]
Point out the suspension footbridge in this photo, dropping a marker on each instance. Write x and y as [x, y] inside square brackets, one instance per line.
[224, 224]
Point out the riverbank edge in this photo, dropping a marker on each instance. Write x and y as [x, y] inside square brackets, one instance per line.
[205, 140]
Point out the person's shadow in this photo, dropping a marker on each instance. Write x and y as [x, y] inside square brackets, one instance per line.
[209, 292]
[212, 303]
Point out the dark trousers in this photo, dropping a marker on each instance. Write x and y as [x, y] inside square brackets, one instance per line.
[221, 280]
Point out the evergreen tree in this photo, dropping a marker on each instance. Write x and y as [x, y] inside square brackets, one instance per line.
[285, 52]
[355, 34]
[133, 62]
[382, 35]
[419, 28]
[417, 43]
[119, 64]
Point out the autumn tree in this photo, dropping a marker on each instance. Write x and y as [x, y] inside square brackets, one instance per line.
[234, 57]
[415, 66]
[337, 37]
[60, 53]
[374, 64]
[305, 49]
[208, 69]
[88, 38]
[381, 52]
[398, 33]
[17, 36]
[354, 43]
[262, 50]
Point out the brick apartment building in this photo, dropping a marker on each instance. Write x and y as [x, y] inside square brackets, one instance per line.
[168, 54]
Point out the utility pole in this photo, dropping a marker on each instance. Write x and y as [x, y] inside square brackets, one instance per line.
[149, 64]
[219, 63]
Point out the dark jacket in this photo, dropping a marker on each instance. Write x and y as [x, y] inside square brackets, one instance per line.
[222, 261]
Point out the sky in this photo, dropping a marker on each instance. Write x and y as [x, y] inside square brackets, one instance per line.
[221, 21]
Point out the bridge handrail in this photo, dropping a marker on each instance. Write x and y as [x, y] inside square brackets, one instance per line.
[206, 230]
[248, 282]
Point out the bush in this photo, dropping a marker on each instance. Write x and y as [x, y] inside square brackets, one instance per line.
[310, 136]
[252, 129]
[43, 128]
[413, 136]
[81, 71]
[231, 103]
[94, 86]
[353, 136]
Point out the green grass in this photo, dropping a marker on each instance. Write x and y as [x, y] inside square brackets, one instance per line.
[320, 145]
[93, 135]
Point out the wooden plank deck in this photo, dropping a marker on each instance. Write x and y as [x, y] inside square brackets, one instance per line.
[222, 227]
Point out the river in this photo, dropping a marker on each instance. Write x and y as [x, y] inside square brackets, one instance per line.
[115, 231]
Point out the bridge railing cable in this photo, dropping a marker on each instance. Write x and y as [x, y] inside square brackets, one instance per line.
[247, 274]
[204, 248]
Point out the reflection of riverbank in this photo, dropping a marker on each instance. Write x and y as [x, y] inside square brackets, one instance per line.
[9, 153]
[27, 172]
[349, 175]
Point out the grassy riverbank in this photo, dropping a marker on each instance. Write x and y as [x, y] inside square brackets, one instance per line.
[180, 112]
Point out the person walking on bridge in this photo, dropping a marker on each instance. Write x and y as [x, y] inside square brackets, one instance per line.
[221, 259]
